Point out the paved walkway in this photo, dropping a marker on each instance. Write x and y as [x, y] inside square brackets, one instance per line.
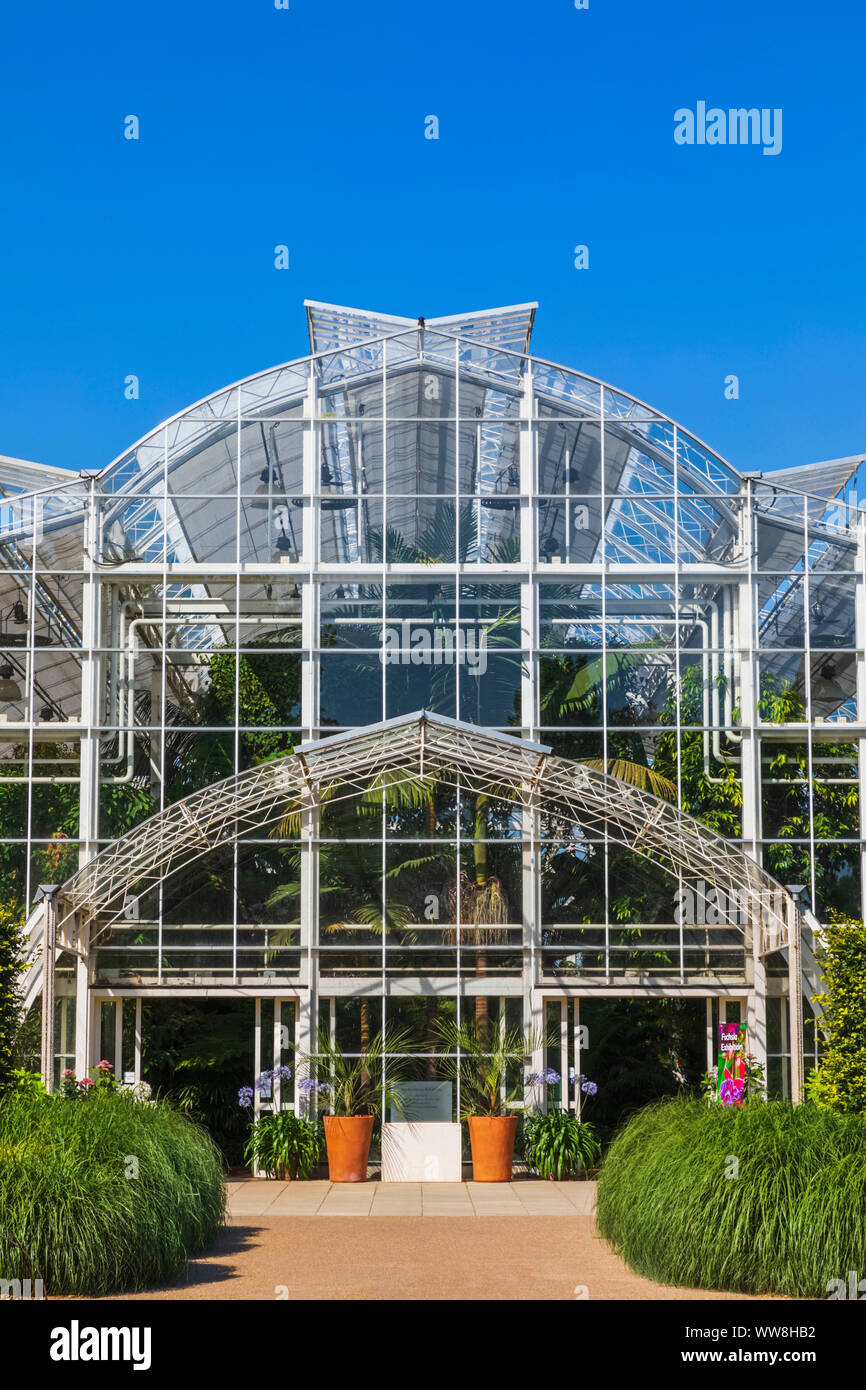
[260, 1197]
[419, 1241]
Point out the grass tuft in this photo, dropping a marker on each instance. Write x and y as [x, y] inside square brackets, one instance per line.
[793, 1220]
[69, 1200]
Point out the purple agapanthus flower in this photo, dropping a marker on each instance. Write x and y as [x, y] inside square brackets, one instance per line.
[589, 1088]
[548, 1077]
[310, 1087]
[245, 1097]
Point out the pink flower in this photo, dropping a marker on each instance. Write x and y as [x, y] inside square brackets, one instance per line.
[86, 1081]
[105, 1066]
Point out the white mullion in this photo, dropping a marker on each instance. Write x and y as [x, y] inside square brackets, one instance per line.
[237, 719]
[604, 750]
[807, 661]
[677, 680]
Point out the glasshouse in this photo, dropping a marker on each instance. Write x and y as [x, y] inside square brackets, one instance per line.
[419, 679]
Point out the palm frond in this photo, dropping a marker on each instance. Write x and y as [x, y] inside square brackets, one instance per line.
[636, 775]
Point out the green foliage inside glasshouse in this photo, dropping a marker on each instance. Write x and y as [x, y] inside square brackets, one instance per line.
[840, 1082]
[767, 1198]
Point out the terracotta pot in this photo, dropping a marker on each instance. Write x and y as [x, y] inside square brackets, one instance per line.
[347, 1138]
[491, 1138]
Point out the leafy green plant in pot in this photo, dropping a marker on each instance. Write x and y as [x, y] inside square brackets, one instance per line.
[479, 1058]
[352, 1085]
[557, 1144]
[281, 1144]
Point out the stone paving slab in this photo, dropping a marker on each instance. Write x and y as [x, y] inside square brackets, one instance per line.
[527, 1197]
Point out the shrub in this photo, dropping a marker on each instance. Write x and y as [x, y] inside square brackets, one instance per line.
[840, 1084]
[789, 1223]
[10, 988]
[284, 1145]
[104, 1194]
[557, 1144]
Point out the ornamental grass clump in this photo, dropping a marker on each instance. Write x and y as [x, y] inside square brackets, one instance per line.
[767, 1198]
[105, 1193]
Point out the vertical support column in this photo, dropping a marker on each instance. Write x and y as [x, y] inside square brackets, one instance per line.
[118, 1039]
[578, 1057]
[756, 1010]
[860, 644]
[746, 640]
[136, 1045]
[308, 998]
[49, 957]
[795, 1000]
[157, 724]
[92, 694]
[563, 1055]
[278, 1058]
[533, 1004]
[527, 469]
[84, 1014]
[257, 1071]
[310, 473]
[711, 1049]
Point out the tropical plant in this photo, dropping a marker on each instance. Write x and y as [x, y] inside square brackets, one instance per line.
[558, 1144]
[482, 1060]
[104, 1196]
[355, 1084]
[757, 1199]
[283, 1144]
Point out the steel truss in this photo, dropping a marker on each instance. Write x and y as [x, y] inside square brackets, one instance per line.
[436, 750]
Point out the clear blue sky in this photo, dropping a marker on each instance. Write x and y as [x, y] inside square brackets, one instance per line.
[306, 127]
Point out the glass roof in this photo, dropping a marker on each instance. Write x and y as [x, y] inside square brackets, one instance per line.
[419, 459]
[420, 426]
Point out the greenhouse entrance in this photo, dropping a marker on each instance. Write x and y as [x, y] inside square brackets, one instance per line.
[414, 869]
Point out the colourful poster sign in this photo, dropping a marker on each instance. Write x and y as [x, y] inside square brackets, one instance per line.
[731, 1068]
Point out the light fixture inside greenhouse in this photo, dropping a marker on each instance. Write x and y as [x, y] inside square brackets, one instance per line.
[9, 687]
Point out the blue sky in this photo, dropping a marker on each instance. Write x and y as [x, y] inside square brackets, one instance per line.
[306, 127]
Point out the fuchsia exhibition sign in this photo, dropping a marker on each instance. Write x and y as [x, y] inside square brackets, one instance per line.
[731, 1069]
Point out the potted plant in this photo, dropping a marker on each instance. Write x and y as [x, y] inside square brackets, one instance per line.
[479, 1059]
[556, 1143]
[283, 1145]
[354, 1091]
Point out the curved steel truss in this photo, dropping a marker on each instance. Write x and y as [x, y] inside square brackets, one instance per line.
[583, 805]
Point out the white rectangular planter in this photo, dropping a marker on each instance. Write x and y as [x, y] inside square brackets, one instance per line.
[421, 1152]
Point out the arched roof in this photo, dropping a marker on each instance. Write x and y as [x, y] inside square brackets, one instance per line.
[428, 746]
